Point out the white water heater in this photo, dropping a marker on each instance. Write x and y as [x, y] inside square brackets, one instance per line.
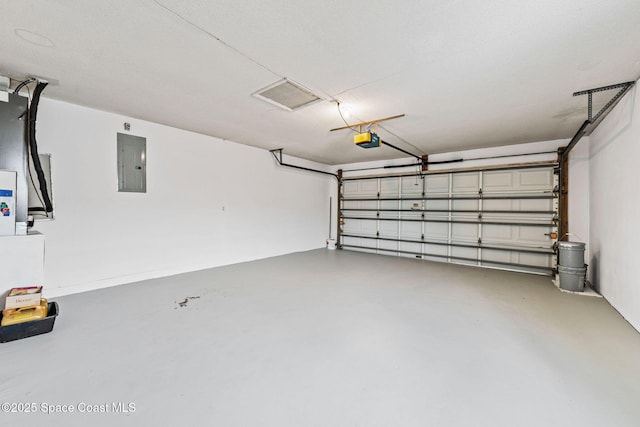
[7, 203]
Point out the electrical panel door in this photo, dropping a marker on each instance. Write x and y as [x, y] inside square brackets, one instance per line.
[132, 163]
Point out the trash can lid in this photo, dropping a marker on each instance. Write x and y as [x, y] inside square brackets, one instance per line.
[571, 245]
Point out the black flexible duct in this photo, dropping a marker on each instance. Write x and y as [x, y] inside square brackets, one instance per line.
[21, 85]
[33, 145]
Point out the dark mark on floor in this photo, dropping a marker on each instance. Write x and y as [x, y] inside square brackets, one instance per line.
[185, 302]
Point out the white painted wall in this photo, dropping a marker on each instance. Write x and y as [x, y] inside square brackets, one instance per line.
[579, 195]
[21, 262]
[615, 207]
[209, 202]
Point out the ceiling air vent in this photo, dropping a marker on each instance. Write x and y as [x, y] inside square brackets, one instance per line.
[286, 94]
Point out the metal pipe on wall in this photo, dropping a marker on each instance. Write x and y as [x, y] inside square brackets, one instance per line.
[281, 163]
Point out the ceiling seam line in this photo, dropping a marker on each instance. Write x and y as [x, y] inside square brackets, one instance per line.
[370, 82]
[327, 96]
[218, 39]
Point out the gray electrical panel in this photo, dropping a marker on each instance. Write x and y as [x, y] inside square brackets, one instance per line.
[132, 163]
[13, 148]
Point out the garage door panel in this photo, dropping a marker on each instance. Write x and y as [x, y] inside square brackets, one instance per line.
[411, 215]
[498, 181]
[535, 259]
[525, 180]
[515, 236]
[357, 226]
[464, 232]
[436, 231]
[414, 248]
[369, 204]
[388, 245]
[435, 249]
[411, 209]
[350, 187]
[437, 184]
[388, 215]
[360, 204]
[348, 240]
[350, 226]
[434, 217]
[534, 235]
[468, 183]
[363, 249]
[540, 260]
[389, 204]
[389, 187]
[515, 218]
[536, 204]
[409, 255]
[469, 253]
[499, 205]
[546, 205]
[388, 209]
[437, 205]
[503, 256]
[498, 233]
[361, 209]
[411, 204]
[412, 186]
[535, 179]
[356, 241]
[467, 205]
[361, 188]
[410, 230]
[388, 228]
[465, 216]
[364, 214]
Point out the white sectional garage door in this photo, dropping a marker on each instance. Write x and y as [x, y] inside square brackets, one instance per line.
[498, 218]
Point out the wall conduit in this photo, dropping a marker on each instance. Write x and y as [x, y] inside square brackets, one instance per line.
[278, 158]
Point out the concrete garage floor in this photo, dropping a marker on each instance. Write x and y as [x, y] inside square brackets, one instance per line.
[330, 338]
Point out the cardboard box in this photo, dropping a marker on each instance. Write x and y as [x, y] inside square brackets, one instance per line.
[23, 297]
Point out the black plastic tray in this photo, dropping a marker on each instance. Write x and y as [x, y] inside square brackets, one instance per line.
[29, 329]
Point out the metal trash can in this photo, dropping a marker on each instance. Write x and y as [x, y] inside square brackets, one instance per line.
[571, 278]
[571, 254]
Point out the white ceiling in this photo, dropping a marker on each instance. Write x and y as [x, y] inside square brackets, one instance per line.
[467, 74]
